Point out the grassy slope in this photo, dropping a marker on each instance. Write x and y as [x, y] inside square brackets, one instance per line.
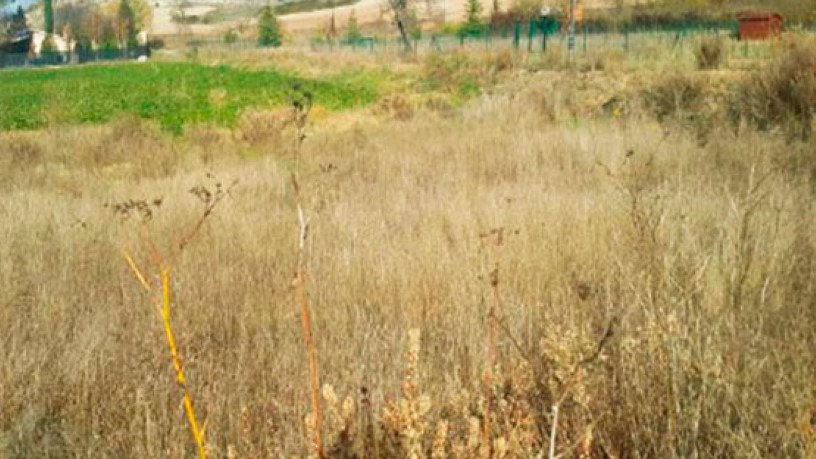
[793, 10]
[235, 12]
[174, 94]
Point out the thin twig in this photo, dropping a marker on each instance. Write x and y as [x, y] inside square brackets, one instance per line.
[553, 431]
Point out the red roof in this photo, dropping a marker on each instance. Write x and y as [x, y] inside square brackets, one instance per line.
[758, 16]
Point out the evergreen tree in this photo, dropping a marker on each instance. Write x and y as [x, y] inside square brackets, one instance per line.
[48, 15]
[473, 18]
[19, 23]
[269, 33]
[353, 34]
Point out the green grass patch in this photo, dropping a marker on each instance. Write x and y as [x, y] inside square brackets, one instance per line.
[172, 94]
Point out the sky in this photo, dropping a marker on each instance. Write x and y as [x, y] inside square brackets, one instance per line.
[13, 5]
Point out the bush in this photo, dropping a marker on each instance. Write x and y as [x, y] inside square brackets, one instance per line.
[353, 33]
[681, 101]
[676, 96]
[49, 53]
[155, 43]
[269, 33]
[455, 73]
[783, 95]
[710, 53]
[231, 36]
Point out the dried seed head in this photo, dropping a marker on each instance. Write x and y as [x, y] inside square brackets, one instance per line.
[330, 396]
[312, 434]
[348, 409]
[439, 450]
[474, 433]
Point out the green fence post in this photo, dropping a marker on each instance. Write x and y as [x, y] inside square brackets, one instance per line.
[516, 34]
[530, 34]
[544, 41]
[584, 32]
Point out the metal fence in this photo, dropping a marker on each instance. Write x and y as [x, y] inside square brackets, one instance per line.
[644, 40]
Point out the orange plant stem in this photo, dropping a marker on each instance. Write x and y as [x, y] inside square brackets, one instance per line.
[308, 340]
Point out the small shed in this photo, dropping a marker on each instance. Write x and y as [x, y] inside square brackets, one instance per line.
[759, 25]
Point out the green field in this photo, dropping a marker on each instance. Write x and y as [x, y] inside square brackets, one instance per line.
[173, 94]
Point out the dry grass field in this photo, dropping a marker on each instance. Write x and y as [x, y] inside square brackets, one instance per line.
[526, 273]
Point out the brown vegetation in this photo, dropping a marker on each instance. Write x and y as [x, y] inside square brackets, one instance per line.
[602, 285]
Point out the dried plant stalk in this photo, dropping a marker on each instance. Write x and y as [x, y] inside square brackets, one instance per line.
[144, 211]
[491, 362]
[163, 307]
[311, 355]
[301, 101]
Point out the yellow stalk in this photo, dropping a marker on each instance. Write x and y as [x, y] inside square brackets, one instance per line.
[171, 344]
[135, 270]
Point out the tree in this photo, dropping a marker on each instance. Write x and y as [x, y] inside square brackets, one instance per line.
[473, 19]
[142, 14]
[127, 24]
[179, 14]
[91, 26]
[526, 9]
[48, 16]
[403, 19]
[269, 33]
[353, 34]
[68, 19]
[331, 31]
[19, 22]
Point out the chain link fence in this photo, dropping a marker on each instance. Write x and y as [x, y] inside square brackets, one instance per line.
[643, 40]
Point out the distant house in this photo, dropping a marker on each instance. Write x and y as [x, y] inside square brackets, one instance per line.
[20, 43]
[759, 25]
[30, 42]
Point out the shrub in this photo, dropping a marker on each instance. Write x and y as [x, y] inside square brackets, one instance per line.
[353, 33]
[783, 95]
[230, 36]
[156, 43]
[710, 53]
[269, 33]
[262, 126]
[677, 95]
[48, 51]
[502, 61]
[455, 73]
[679, 101]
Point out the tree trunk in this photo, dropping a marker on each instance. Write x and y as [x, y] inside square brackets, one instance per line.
[400, 12]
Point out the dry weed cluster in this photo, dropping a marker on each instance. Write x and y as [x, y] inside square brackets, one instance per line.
[489, 282]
